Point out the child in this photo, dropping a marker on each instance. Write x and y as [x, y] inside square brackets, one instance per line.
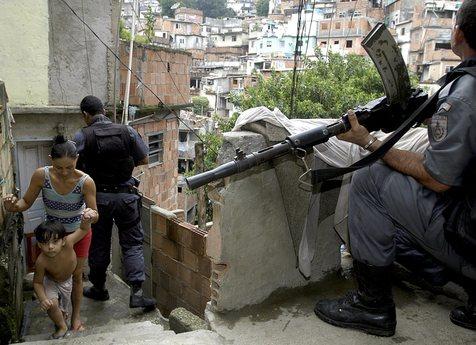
[54, 267]
[66, 191]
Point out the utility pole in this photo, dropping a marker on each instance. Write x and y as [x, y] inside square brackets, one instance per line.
[125, 111]
[201, 202]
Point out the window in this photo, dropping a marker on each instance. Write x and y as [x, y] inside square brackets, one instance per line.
[448, 69]
[177, 25]
[179, 189]
[336, 42]
[233, 38]
[156, 148]
[223, 38]
[281, 44]
[252, 44]
[351, 25]
[348, 44]
[323, 43]
[182, 41]
[442, 45]
[209, 29]
[268, 44]
[402, 31]
[164, 35]
[342, 14]
[324, 26]
[337, 26]
[183, 135]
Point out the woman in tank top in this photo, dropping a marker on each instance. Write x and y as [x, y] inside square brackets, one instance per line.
[68, 195]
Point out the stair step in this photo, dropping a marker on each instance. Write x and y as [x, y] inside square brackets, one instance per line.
[126, 328]
[140, 337]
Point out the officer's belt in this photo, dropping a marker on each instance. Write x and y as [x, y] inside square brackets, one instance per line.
[115, 189]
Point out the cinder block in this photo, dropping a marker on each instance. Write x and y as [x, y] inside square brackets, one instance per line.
[159, 224]
[167, 247]
[165, 263]
[205, 267]
[190, 259]
[181, 320]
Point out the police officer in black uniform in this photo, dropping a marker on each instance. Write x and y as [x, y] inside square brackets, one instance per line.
[109, 152]
[429, 197]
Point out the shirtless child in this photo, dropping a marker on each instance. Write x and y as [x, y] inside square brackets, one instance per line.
[54, 268]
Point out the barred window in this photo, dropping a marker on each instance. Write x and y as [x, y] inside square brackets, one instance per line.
[156, 148]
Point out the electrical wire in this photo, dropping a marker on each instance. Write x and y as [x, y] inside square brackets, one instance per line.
[297, 53]
[136, 76]
[87, 51]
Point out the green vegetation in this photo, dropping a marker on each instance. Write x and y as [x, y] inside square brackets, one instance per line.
[262, 8]
[210, 8]
[326, 88]
[200, 105]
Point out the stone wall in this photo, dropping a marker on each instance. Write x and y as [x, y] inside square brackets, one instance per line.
[180, 269]
[11, 227]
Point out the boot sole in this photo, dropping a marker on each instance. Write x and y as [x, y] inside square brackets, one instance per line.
[462, 324]
[361, 327]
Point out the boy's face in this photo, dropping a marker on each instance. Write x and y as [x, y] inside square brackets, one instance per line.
[53, 247]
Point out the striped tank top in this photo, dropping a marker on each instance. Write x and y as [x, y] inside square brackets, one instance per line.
[68, 208]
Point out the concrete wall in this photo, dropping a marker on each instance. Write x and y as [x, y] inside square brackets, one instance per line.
[79, 64]
[24, 51]
[258, 214]
[11, 260]
[49, 58]
[31, 126]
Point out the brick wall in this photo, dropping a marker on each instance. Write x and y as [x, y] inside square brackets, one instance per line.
[180, 267]
[159, 181]
[165, 71]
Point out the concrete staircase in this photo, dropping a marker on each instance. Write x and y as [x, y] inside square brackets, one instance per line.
[133, 333]
[113, 322]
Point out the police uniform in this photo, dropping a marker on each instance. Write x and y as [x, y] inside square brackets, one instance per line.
[384, 202]
[116, 200]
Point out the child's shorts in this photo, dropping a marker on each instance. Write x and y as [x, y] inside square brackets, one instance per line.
[60, 291]
[82, 247]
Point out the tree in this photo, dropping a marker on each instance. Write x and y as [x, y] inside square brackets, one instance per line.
[210, 8]
[166, 7]
[326, 88]
[200, 105]
[262, 8]
[149, 25]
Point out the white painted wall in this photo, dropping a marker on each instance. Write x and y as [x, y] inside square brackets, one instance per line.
[24, 51]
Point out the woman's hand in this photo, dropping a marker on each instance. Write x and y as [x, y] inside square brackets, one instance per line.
[10, 202]
[89, 215]
[357, 134]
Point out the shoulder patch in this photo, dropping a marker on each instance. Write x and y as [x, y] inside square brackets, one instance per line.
[439, 127]
[445, 106]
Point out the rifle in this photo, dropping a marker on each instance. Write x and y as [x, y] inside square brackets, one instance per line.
[385, 113]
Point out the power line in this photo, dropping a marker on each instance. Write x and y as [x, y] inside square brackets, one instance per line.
[135, 75]
[297, 54]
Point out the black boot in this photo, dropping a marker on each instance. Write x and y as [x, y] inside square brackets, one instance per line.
[138, 300]
[369, 309]
[465, 316]
[96, 293]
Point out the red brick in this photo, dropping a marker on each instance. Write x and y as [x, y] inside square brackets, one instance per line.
[205, 266]
[198, 243]
[166, 246]
[189, 259]
[159, 223]
[165, 263]
[185, 274]
[172, 232]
